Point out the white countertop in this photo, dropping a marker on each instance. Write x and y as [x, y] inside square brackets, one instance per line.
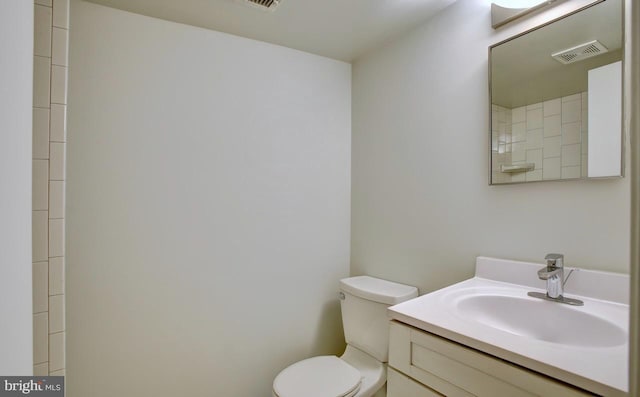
[602, 370]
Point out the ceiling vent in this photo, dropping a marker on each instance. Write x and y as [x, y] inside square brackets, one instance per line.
[265, 5]
[580, 52]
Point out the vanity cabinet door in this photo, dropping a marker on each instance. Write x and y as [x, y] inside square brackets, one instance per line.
[399, 385]
[455, 370]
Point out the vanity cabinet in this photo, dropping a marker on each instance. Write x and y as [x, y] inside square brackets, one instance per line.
[425, 365]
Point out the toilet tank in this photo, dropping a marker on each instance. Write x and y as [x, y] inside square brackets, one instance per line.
[364, 303]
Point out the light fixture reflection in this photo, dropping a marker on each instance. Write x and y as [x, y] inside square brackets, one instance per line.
[518, 3]
[505, 11]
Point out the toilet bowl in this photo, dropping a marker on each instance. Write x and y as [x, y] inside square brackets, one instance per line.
[361, 371]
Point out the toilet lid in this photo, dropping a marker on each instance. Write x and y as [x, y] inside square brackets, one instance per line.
[323, 376]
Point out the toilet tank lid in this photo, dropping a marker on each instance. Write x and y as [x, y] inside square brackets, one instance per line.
[378, 290]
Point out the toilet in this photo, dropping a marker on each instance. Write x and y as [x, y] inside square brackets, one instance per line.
[361, 371]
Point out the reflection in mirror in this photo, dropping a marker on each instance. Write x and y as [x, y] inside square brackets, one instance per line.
[556, 99]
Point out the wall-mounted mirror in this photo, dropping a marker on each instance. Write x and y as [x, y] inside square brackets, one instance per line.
[556, 99]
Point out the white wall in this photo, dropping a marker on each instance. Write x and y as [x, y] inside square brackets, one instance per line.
[208, 206]
[422, 209]
[16, 76]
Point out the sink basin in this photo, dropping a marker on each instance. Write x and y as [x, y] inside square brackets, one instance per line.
[586, 346]
[538, 319]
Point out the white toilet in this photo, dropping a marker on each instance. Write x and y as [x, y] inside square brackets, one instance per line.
[361, 371]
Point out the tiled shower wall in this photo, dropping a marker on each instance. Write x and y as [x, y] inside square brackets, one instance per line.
[49, 136]
[551, 134]
[501, 133]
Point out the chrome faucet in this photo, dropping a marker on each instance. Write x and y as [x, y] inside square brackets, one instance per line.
[553, 274]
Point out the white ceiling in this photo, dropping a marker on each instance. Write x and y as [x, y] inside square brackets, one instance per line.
[339, 29]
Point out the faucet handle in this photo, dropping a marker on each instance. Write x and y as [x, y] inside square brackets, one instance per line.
[556, 260]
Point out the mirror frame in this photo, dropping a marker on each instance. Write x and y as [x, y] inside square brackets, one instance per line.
[623, 128]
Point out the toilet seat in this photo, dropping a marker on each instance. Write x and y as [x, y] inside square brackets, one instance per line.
[323, 376]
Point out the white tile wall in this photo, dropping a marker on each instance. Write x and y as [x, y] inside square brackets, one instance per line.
[57, 163]
[521, 177]
[551, 168]
[58, 84]
[59, 48]
[40, 287]
[56, 237]
[501, 141]
[552, 107]
[534, 138]
[551, 134]
[571, 172]
[41, 369]
[51, 48]
[552, 125]
[56, 351]
[552, 146]
[519, 151]
[56, 276]
[41, 81]
[519, 132]
[571, 133]
[570, 98]
[535, 156]
[40, 243]
[40, 185]
[40, 338]
[42, 31]
[534, 106]
[56, 313]
[61, 13]
[571, 110]
[60, 372]
[535, 175]
[571, 155]
[519, 115]
[40, 133]
[58, 123]
[534, 118]
[56, 199]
